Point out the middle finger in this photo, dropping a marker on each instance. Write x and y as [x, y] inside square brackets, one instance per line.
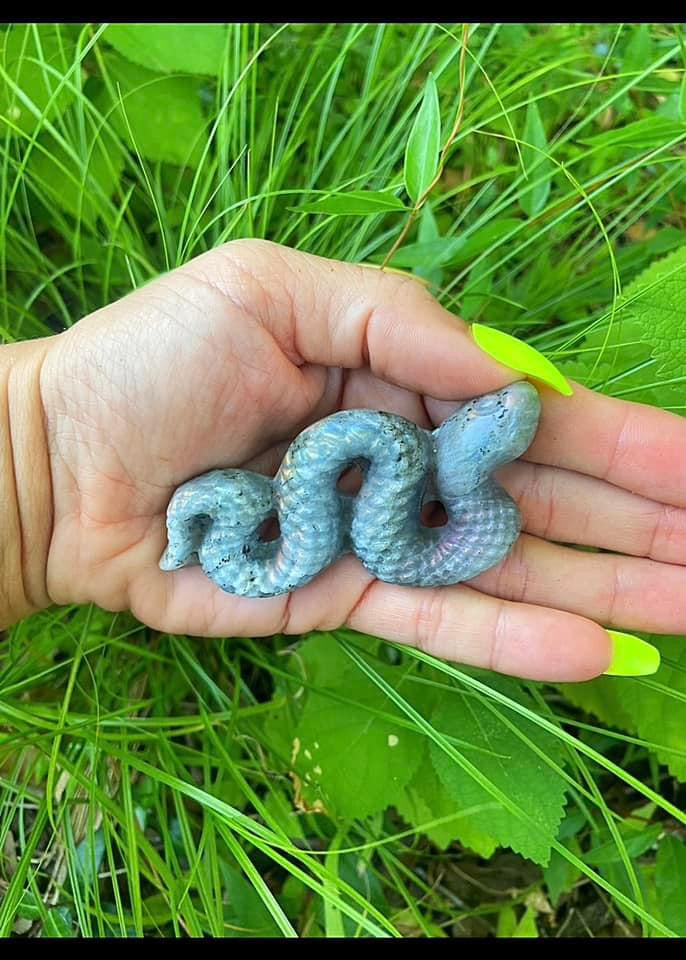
[573, 508]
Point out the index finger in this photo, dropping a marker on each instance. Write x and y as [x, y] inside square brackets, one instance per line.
[346, 315]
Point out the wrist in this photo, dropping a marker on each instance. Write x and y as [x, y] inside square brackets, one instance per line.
[25, 483]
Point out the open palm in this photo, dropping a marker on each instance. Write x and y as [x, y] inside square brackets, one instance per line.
[224, 360]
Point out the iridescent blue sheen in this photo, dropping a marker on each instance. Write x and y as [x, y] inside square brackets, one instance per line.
[215, 519]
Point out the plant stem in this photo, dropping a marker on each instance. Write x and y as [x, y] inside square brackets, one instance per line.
[414, 213]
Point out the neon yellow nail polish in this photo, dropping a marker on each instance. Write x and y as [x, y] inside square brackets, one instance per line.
[631, 656]
[520, 356]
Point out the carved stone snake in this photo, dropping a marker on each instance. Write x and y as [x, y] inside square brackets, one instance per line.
[216, 519]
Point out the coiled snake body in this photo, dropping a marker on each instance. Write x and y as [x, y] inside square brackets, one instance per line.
[215, 519]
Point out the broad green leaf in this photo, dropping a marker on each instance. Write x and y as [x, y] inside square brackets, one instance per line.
[453, 251]
[171, 47]
[615, 873]
[156, 912]
[37, 73]
[426, 798]
[606, 698]
[89, 856]
[661, 718]
[245, 914]
[28, 908]
[660, 307]
[346, 759]
[424, 143]
[639, 709]
[671, 107]
[513, 36]
[682, 99]
[322, 662]
[229, 790]
[539, 170]
[646, 872]
[164, 113]
[59, 923]
[510, 764]
[650, 324]
[670, 881]
[360, 203]
[349, 761]
[624, 366]
[80, 193]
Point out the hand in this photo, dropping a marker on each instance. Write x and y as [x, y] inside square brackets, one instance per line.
[223, 361]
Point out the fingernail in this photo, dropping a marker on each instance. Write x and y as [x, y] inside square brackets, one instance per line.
[520, 356]
[631, 656]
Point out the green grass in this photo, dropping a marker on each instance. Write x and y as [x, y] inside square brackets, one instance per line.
[159, 784]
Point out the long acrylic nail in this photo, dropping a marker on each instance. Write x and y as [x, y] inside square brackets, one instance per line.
[520, 356]
[631, 656]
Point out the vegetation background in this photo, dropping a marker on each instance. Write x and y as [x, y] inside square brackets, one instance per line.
[335, 785]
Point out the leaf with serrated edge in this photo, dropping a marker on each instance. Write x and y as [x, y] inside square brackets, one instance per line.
[510, 764]
[658, 303]
[426, 798]
[650, 322]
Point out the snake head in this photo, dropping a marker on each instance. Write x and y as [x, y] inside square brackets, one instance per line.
[223, 508]
[484, 434]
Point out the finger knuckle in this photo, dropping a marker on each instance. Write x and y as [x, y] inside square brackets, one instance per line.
[498, 637]
[430, 620]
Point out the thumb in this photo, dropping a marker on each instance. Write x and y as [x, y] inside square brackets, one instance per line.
[340, 314]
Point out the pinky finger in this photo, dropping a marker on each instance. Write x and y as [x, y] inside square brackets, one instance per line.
[460, 624]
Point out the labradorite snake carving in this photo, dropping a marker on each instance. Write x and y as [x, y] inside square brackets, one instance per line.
[215, 519]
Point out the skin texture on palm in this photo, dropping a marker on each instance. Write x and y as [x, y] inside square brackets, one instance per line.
[223, 361]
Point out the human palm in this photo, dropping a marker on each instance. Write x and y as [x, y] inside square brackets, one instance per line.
[223, 361]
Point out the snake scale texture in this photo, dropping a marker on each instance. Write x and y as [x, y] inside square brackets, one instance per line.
[216, 519]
